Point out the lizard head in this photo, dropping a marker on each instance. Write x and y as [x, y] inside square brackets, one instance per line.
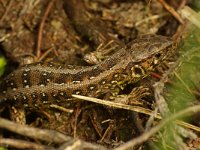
[152, 49]
[148, 46]
[147, 52]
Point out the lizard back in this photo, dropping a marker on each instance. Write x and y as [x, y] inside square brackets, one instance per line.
[46, 83]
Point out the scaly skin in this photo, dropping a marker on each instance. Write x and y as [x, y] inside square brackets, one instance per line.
[41, 84]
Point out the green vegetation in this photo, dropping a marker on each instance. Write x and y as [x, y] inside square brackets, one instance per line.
[184, 88]
[2, 65]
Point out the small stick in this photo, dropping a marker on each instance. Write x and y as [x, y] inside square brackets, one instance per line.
[6, 11]
[172, 11]
[145, 136]
[41, 27]
[133, 108]
[21, 144]
[35, 133]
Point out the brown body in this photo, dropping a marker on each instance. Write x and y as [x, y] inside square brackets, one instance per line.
[39, 84]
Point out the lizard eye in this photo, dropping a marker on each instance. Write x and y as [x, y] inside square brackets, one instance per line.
[138, 71]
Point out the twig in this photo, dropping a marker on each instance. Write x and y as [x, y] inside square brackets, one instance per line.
[154, 17]
[183, 83]
[77, 113]
[7, 10]
[160, 100]
[145, 136]
[133, 108]
[191, 15]
[44, 55]
[116, 105]
[50, 136]
[159, 88]
[61, 108]
[80, 145]
[41, 27]
[182, 4]
[172, 11]
[21, 144]
[35, 133]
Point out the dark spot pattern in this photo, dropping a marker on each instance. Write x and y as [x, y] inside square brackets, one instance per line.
[63, 94]
[11, 84]
[24, 98]
[25, 77]
[78, 92]
[45, 77]
[55, 95]
[92, 87]
[60, 95]
[103, 82]
[61, 78]
[95, 71]
[34, 95]
[78, 77]
[110, 63]
[129, 68]
[44, 96]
